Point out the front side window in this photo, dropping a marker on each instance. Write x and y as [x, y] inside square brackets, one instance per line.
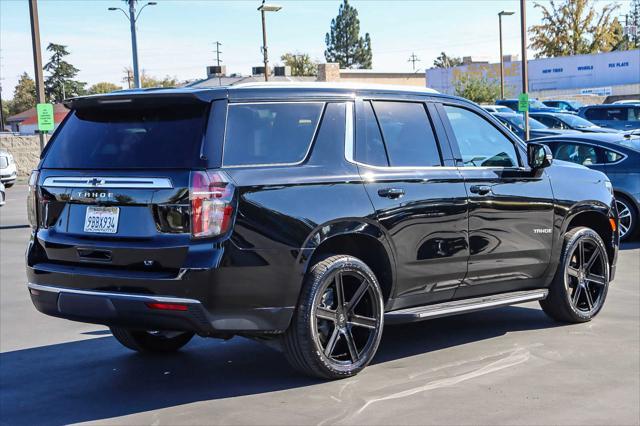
[407, 134]
[480, 143]
[270, 133]
[370, 149]
[577, 153]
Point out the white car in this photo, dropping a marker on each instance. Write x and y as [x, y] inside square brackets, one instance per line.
[627, 101]
[496, 108]
[2, 194]
[7, 169]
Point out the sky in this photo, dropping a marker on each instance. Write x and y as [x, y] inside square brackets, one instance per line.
[176, 37]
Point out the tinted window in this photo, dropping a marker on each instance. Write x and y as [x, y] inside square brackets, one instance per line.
[370, 150]
[548, 121]
[407, 134]
[577, 153]
[109, 138]
[480, 143]
[269, 133]
[612, 156]
[596, 114]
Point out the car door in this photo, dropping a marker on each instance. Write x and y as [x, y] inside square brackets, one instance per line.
[510, 206]
[418, 194]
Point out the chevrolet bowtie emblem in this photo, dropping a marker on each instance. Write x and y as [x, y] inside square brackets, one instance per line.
[96, 182]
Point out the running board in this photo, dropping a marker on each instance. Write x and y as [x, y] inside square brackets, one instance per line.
[420, 313]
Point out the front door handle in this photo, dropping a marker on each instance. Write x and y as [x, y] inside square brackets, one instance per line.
[480, 189]
[391, 192]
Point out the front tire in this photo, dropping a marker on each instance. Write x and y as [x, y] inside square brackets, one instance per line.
[151, 341]
[579, 287]
[338, 323]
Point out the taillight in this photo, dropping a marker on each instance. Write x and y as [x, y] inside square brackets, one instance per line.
[32, 199]
[211, 196]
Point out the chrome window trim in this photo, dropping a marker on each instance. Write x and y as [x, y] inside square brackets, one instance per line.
[142, 298]
[297, 163]
[107, 182]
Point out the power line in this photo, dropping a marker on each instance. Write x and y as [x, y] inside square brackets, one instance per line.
[217, 52]
[413, 59]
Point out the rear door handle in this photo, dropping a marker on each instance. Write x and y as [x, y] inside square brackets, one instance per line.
[480, 189]
[391, 192]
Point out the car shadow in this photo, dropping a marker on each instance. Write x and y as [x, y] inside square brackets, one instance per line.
[95, 379]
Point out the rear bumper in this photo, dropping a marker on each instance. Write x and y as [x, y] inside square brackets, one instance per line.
[121, 309]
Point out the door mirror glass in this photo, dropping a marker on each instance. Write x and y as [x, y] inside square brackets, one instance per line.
[539, 155]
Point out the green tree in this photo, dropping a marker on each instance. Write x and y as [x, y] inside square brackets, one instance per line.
[24, 95]
[344, 44]
[477, 89]
[60, 83]
[147, 80]
[301, 64]
[445, 61]
[574, 27]
[103, 87]
[633, 20]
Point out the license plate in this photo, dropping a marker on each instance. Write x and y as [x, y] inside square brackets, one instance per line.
[101, 220]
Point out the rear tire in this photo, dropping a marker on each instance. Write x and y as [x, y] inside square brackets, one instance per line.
[579, 287]
[9, 185]
[338, 323]
[151, 342]
[627, 217]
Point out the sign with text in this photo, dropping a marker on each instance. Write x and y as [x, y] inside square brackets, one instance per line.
[46, 121]
[523, 102]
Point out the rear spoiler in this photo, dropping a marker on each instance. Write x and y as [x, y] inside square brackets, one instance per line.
[144, 97]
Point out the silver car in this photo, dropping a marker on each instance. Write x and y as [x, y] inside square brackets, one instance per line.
[8, 172]
[2, 194]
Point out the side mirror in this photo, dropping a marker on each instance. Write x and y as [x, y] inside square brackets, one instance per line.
[539, 155]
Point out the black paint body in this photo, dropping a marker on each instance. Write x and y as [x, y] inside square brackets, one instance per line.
[440, 241]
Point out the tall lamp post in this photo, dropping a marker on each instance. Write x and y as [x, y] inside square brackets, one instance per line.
[500, 15]
[133, 18]
[525, 70]
[266, 8]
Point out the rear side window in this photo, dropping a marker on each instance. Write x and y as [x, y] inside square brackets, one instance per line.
[110, 138]
[270, 133]
[407, 134]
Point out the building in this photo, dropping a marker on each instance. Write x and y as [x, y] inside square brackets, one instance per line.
[26, 122]
[581, 76]
[329, 72]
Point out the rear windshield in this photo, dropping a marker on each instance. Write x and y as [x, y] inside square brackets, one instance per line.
[110, 138]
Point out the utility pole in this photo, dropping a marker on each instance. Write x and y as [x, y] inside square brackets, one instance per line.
[500, 15]
[413, 59]
[218, 52]
[266, 8]
[37, 58]
[525, 71]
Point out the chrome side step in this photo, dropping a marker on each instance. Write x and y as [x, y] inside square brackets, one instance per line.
[420, 313]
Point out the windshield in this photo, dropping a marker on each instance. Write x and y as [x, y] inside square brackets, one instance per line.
[575, 104]
[153, 137]
[518, 121]
[575, 121]
[536, 104]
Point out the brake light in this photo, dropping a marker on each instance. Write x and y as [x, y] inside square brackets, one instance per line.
[211, 196]
[32, 199]
[167, 306]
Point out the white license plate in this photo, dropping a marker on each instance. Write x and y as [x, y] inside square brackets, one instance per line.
[102, 220]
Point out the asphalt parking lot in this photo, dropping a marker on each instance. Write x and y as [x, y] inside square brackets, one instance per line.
[507, 366]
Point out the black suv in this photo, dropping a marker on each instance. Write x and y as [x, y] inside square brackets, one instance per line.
[306, 216]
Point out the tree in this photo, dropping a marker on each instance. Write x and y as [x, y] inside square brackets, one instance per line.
[60, 83]
[24, 95]
[147, 80]
[344, 44]
[575, 27]
[633, 19]
[477, 89]
[445, 61]
[103, 87]
[300, 63]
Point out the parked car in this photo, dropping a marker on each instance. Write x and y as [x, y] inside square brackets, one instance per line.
[496, 108]
[8, 171]
[564, 105]
[616, 116]
[515, 123]
[627, 101]
[534, 105]
[564, 121]
[615, 155]
[3, 196]
[306, 216]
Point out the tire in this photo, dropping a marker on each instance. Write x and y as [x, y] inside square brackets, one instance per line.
[335, 334]
[9, 184]
[628, 217]
[151, 342]
[579, 287]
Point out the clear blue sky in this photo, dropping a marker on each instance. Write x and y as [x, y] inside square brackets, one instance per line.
[176, 36]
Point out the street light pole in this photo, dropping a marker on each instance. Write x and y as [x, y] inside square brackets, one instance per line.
[266, 8]
[133, 18]
[500, 15]
[37, 57]
[525, 71]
